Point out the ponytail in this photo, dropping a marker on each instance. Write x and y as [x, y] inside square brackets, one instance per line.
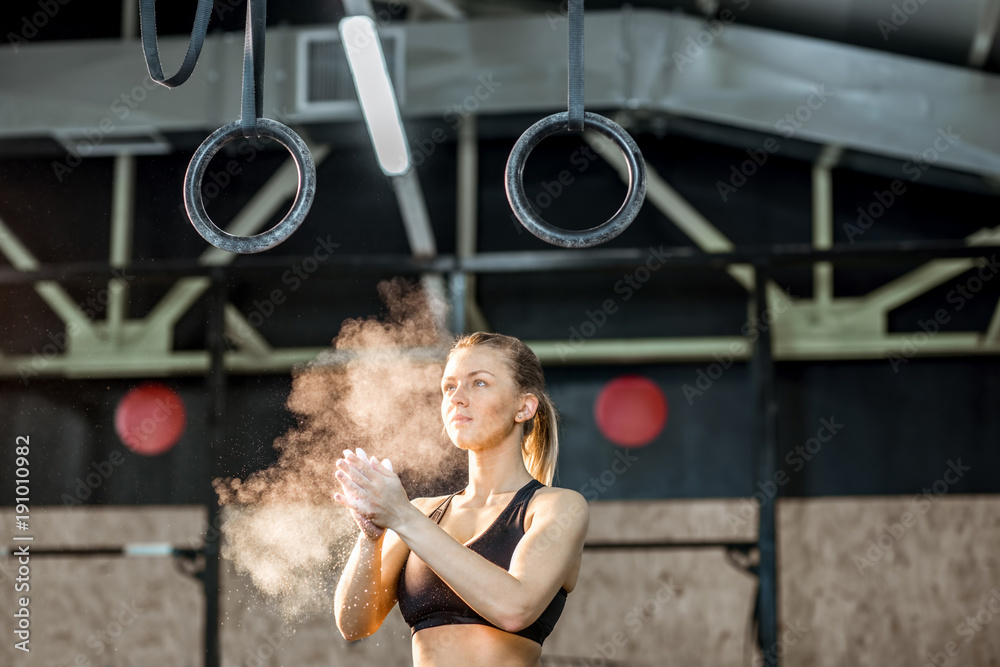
[540, 445]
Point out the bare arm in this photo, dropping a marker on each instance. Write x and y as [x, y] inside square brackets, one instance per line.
[358, 612]
[366, 592]
[512, 600]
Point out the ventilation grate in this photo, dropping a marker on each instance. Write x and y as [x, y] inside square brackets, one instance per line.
[325, 82]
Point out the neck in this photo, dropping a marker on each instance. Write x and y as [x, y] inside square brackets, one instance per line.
[496, 470]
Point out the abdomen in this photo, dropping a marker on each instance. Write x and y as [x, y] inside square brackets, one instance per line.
[464, 645]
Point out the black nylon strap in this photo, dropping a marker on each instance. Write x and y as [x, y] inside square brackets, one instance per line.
[253, 55]
[253, 67]
[147, 22]
[575, 104]
[441, 509]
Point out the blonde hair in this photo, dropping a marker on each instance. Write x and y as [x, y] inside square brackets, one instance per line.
[540, 439]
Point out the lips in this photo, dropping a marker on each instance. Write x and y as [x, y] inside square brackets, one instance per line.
[460, 419]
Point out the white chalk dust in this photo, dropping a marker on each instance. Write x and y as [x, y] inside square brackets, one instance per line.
[378, 388]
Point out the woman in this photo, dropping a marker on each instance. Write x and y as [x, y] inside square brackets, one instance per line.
[482, 575]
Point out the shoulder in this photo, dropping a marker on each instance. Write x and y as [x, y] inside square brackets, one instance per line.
[427, 505]
[562, 505]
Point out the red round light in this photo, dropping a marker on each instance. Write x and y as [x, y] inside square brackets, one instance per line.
[150, 418]
[631, 411]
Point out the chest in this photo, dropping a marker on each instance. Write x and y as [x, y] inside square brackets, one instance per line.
[469, 525]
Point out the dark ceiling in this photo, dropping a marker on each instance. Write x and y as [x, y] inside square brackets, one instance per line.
[102, 19]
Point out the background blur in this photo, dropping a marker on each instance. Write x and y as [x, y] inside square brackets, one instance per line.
[779, 386]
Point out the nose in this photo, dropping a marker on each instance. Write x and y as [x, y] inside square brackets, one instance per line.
[458, 397]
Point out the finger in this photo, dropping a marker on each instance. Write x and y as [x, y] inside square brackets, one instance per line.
[388, 464]
[357, 506]
[380, 467]
[364, 463]
[355, 469]
[345, 500]
[349, 485]
[353, 457]
[344, 466]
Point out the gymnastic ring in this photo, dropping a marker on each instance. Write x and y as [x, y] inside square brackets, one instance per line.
[281, 231]
[585, 238]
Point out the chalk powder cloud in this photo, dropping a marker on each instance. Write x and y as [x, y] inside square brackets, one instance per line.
[378, 388]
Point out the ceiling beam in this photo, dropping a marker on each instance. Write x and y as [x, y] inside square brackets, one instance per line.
[745, 77]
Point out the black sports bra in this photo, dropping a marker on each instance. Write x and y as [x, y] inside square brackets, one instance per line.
[426, 601]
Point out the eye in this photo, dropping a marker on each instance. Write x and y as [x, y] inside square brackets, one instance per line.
[479, 380]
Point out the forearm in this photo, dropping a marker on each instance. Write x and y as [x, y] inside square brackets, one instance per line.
[488, 589]
[355, 603]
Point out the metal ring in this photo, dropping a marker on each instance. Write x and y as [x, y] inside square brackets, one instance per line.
[565, 238]
[281, 231]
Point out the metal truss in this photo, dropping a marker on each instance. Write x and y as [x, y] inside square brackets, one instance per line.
[823, 327]
[120, 347]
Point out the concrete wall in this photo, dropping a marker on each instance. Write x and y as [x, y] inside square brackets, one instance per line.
[854, 588]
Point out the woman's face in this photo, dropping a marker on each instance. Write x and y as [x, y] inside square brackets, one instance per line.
[479, 401]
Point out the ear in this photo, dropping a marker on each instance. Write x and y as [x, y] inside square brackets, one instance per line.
[529, 405]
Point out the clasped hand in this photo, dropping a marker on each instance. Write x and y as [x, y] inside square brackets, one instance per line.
[372, 491]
